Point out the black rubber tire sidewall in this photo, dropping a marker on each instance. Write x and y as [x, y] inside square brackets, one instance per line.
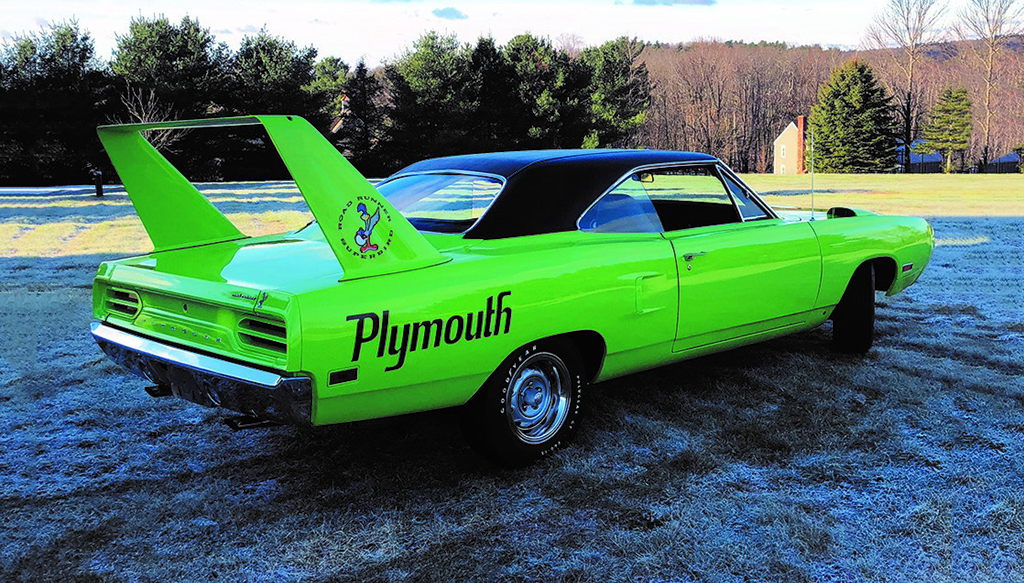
[485, 423]
[853, 321]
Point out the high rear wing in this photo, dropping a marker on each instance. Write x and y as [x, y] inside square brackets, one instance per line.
[365, 232]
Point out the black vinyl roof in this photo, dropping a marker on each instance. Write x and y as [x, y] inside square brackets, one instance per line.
[546, 191]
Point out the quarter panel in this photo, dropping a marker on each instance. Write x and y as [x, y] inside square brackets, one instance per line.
[412, 337]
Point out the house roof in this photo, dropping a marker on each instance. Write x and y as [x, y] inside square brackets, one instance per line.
[791, 125]
[1011, 157]
[916, 158]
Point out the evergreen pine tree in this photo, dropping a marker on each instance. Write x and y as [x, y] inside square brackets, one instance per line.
[949, 126]
[183, 64]
[53, 94]
[363, 122]
[620, 89]
[853, 123]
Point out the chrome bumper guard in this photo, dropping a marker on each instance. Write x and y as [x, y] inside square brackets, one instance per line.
[210, 381]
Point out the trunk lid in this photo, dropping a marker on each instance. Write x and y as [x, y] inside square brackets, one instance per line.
[234, 299]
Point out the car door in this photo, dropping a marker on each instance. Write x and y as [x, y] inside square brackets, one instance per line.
[741, 270]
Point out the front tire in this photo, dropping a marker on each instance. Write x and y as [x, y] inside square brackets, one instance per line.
[853, 321]
[529, 406]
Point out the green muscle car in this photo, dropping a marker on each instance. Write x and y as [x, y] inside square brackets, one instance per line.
[500, 283]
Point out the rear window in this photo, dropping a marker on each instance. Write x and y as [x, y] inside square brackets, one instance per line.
[441, 203]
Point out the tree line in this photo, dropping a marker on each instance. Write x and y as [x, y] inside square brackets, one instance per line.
[733, 99]
[440, 97]
[963, 96]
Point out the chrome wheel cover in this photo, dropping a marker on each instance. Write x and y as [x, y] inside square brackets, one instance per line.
[539, 396]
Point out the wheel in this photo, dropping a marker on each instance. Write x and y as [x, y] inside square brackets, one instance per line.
[853, 320]
[529, 406]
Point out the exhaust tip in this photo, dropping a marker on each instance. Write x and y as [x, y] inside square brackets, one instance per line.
[159, 391]
[248, 422]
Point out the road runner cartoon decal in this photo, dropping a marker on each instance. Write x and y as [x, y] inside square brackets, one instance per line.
[494, 320]
[362, 237]
[365, 231]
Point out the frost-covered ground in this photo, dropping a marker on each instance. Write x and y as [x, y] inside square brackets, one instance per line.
[777, 462]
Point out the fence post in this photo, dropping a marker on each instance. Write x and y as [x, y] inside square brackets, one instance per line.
[97, 179]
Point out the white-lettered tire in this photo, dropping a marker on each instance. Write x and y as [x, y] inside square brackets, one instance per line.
[529, 407]
[853, 321]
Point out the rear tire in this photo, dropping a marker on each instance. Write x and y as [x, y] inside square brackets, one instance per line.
[529, 407]
[853, 320]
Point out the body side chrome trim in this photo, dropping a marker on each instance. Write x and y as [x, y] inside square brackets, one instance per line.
[185, 358]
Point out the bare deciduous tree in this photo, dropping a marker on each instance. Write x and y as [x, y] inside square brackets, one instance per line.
[572, 44]
[905, 28]
[985, 27]
[143, 107]
[704, 76]
[730, 99]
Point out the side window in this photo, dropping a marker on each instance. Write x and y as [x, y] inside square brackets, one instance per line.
[689, 196]
[671, 199]
[748, 208]
[624, 209]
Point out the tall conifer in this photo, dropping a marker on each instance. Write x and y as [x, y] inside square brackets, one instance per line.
[949, 126]
[853, 123]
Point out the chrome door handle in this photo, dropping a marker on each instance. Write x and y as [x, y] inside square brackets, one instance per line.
[690, 256]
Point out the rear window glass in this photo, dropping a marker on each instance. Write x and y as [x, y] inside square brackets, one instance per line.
[441, 203]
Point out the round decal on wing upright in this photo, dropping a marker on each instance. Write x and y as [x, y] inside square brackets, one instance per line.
[365, 228]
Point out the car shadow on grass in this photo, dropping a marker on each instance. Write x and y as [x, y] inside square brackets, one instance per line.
[178, 476]
[759, 405]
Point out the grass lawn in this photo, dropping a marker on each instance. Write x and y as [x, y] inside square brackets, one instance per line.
[777, 462]
[957, 195]
[48, 225]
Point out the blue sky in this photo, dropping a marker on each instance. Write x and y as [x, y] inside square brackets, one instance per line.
[378, 30]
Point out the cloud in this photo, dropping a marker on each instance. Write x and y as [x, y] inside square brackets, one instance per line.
[674, 2]
[449, 13]
[248, 28]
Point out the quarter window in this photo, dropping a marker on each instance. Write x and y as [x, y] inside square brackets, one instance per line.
[625, 209]
[748, 208]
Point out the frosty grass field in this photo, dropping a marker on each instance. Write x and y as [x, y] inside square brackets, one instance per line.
[778, 462]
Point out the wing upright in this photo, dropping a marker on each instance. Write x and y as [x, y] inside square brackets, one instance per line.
[176, 215]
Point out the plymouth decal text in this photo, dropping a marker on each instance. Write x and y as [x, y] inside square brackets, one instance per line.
[495, 319]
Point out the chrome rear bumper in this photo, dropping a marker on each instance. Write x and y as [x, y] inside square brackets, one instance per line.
[210, 381]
